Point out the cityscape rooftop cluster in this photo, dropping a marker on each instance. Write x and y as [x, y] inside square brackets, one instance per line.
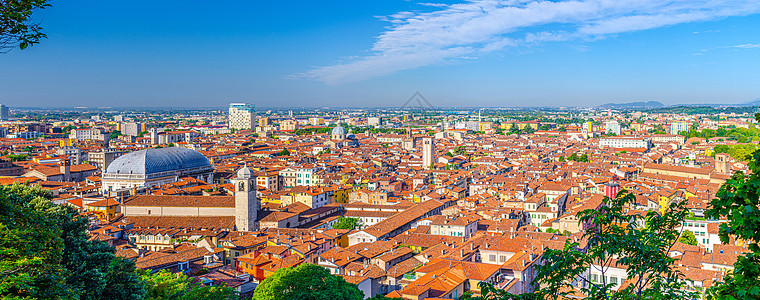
[437, 202]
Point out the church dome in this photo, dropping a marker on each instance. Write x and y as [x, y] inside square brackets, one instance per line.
[151, 161]
[338, 132]
[350, 134]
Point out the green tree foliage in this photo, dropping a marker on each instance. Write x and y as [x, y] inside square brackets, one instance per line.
[16, 26]
[115, 134]
[545, 127]
[688, 238]
[45, 252]
[738, 200]
[514, 129]
[308, 131]
[613, 236]
[306, 282]
[30, 246]
[460, 150]
[575, 157]
[347, 223]
[17, 157]
[163, 285]
[284, 152]
[741, 135]
[738, 151]
[68, 128]
[123, 282]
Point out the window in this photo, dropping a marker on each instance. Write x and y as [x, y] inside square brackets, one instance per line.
[613, 280]
[492, 257]
[594, 278]
[502, 258]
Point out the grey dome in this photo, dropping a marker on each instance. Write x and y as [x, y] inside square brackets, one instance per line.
[150, 161]
[350, 134]
[338, 131]
[245, 172]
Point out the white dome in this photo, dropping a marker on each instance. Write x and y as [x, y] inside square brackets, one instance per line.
[339, 131]
[245, 172]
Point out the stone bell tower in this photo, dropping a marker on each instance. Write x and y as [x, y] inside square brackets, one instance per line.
[246, 204]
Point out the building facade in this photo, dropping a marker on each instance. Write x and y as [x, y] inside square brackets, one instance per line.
[428, 152]
[241, 116]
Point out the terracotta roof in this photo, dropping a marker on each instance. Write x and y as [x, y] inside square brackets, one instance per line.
[180, 201]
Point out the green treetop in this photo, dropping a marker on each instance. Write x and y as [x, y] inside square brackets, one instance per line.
[306, 282]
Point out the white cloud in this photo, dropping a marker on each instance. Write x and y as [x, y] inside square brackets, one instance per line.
[477, 27]
[747, 46]
[743, 46]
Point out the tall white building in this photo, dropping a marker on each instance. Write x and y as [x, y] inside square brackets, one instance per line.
[677, 127]
[241, 116]
[131, 128]
[612, 126]
[428, 152]
[375, 121]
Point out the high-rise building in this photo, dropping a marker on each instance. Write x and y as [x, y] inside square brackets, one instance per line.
[241, 116]
[612, 126]
[428, 152]
[288, 125]
[374, 121]
[131, 128]
[264, 122]
[678, 126]
[4, 112]
[316, 121]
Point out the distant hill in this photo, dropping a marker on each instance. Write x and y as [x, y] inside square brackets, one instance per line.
[755, 102]
[706, 110]
[648, 104]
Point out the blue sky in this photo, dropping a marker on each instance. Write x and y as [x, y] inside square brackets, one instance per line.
[378, 53]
